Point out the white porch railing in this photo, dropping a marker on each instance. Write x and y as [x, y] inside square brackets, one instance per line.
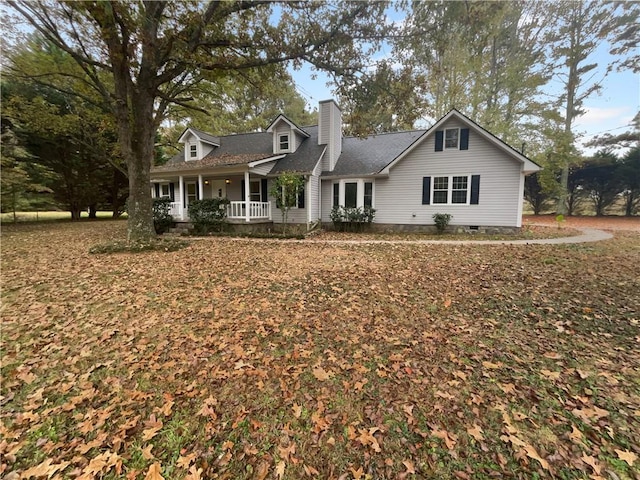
[176, 210]
[257, 210]
[235, 210]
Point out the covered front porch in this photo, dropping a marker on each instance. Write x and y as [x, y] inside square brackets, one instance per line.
[247, 193]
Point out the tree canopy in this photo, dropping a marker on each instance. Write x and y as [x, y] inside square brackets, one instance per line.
[141, 58]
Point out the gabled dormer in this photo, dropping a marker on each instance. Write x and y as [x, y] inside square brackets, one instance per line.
[197, 144]
[287, 136]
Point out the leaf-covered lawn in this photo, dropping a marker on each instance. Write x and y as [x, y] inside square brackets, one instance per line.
[266, 359]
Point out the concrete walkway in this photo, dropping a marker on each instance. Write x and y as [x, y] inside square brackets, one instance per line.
[587, 235]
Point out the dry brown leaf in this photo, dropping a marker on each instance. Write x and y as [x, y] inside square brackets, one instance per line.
[297, 410]
[262, 470]
[576, 435]
[321, 374]
[549, 374]
[194, 473]
[492, 366]
[154, 472]
[592, 462]
[533, 453]
[357, 474]
[627, 456]
[475, 432]
[146, 452]
[280, 469]
[409, 466]
[185, 461]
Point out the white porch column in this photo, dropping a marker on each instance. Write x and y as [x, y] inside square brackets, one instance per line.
[181, 196]
[360, 193]
[200, 188]
[247, 196]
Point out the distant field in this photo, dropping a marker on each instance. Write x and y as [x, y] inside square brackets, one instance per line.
[46, 216]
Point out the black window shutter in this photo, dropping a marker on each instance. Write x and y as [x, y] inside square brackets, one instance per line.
[475, 189]
[439, 140]
[172, 191]
[426, 190]
[157, 190]
[263, 190]
[464, 139]
[242, 191]
[301, 197]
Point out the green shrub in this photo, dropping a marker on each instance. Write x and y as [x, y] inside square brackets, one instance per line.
[351, 219]
[442, 221]
[208, 215]
[162, 219]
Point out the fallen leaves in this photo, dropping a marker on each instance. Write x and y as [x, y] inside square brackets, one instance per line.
[232, 359]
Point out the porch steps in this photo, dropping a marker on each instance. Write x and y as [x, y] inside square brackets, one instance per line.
[181, 227]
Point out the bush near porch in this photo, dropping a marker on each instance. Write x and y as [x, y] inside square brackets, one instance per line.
[208, 215]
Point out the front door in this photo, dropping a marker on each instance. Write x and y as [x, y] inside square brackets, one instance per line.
[192, 192]
[218, 189]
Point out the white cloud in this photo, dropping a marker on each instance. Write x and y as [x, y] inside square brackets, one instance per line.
[596, 116]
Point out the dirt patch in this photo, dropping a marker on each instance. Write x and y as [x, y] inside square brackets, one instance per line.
[631, 224]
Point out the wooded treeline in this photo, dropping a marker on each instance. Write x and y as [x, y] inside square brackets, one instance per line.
[95, 93]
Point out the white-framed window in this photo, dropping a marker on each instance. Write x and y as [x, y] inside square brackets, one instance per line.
[440, 190]
[164, 190]
[353, 193]
[451, 138]
[283, 142]
[193, 150]
[451, 190]
[255, 192]
[300, 194]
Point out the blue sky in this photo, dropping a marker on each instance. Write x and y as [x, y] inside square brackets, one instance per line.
[609, 111]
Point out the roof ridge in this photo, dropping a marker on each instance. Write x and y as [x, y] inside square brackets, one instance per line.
[388, 133]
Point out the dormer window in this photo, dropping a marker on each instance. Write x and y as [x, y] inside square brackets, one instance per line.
[193, 151]
[283, 142]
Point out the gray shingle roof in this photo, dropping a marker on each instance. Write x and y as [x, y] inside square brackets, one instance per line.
[207, 137]
[359, 156]
[233, 150]
[366, 156]
[304, 159]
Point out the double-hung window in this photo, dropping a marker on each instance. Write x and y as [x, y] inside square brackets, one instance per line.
[283, 142]
[164, 190]
[451, 136]
[193, 150]
[440, 190]
[460, 189]
[452, 189]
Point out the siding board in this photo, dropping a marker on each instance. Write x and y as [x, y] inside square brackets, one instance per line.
[399, 197]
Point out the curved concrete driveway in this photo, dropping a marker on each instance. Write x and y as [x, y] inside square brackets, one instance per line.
[587, 235]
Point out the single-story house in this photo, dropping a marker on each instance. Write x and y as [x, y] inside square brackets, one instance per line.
[454, 167]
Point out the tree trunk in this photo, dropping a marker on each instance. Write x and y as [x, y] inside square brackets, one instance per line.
[136, 134]
[93, 210]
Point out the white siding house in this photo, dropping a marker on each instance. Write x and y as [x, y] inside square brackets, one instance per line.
[455, 167]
